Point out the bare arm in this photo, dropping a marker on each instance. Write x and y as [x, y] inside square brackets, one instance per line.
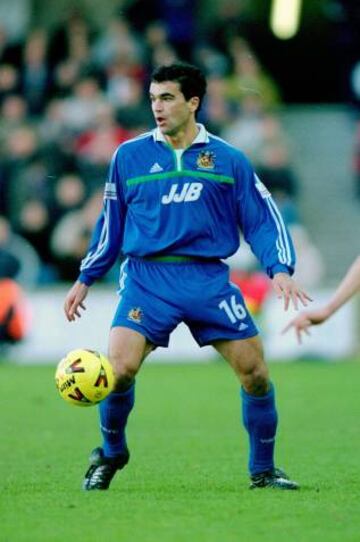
[348, 287]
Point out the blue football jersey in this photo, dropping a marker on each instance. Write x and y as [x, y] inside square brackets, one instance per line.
[158, 201]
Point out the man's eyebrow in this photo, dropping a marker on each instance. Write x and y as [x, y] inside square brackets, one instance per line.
[162, 95]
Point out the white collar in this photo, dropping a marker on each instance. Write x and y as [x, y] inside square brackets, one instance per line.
[202, 136]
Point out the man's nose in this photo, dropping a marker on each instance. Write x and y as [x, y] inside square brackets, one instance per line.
[157, 105]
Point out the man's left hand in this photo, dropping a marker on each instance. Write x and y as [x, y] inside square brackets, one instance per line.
[287, 289]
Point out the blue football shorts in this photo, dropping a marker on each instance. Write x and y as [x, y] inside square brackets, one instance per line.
[156, 296]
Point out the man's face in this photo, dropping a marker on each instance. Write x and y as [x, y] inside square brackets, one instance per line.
[171, 110]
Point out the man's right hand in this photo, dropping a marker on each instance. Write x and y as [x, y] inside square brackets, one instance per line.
[74, 301]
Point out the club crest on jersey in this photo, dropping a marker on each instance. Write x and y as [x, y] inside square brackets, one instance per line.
[206, 160]
[135, 315]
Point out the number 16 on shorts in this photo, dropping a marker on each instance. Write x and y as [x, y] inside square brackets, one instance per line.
[235, 311]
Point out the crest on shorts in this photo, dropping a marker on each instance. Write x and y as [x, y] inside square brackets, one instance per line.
[135, 315]
[206, 160]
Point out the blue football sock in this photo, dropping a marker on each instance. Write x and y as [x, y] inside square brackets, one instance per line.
[260, 420]
[114, 412]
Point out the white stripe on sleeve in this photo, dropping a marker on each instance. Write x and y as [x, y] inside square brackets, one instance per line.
[102, 244]
[282, 243]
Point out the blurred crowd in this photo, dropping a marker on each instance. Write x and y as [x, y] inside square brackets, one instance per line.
[71, 94]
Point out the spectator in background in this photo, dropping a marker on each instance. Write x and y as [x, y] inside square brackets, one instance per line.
[24, 174]
[275, 170]
[13, 307]
[124, 84]
[248, 77]
[56, 142]
[71, 39]
[71, 236]
[117, 42]
[35, 72]
[79, 111]
[69, 194]
[28, 263]
[9, 81]
[163, 55]
[65, 76]
[232, 20]
[13, 115]
[52, 127]
[155, 36]
[245, 131]
[14, 110]
[212, 61]
[35, 225]
[157, 48]
[27, 182]
[95, 146]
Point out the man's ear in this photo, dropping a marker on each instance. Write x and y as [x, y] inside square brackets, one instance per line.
[194, 103]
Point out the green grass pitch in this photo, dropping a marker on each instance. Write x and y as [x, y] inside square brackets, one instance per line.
[187, 477]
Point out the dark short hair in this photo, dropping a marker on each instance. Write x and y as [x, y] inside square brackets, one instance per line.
[191, 79]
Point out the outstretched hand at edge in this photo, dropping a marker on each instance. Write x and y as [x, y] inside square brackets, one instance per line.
[303, 321]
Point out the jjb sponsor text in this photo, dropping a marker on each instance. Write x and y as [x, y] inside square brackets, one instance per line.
[189, 192]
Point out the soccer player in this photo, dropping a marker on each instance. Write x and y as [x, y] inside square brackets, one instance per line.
[348, 287]
[174, 202]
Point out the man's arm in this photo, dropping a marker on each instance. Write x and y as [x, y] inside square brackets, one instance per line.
[106, 242]
[348, 287]
[267, 235]
[103, 251]
[104, 247]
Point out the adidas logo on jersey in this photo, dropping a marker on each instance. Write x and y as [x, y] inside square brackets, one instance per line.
[156, 168]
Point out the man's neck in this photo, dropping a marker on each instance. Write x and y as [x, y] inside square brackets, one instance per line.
[183, 138]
